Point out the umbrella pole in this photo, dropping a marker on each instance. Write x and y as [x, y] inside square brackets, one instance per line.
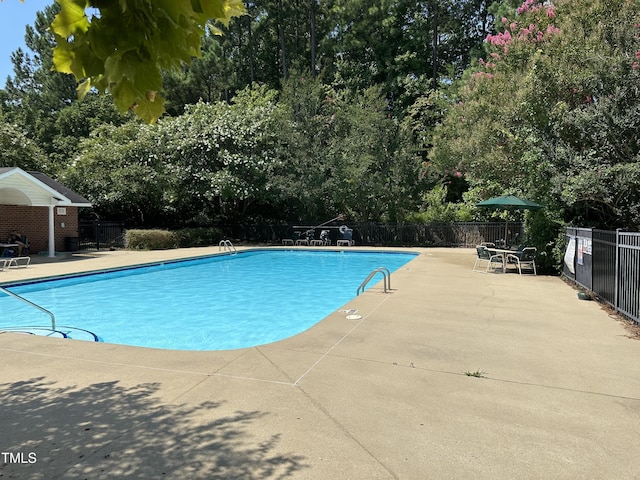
[506, 224]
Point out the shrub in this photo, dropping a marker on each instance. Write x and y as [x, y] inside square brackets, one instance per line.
[437, 209]
[198, 237]
[546, 233]
[150, 239]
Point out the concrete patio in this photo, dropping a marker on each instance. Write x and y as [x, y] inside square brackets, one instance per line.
[452, 375]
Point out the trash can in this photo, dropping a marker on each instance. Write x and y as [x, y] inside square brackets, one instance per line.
[71, 244]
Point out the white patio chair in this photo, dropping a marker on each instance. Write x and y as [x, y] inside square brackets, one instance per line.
[485, 255]
[19, 262]
[524, 258]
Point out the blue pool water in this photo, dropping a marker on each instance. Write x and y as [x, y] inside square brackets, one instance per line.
[212, 303]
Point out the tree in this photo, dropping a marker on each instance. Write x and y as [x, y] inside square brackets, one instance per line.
[551, 113]
[210, 164]
[34, 95]
[496, 128]
[342, 152]
[77, 121]
[437, 208]
[373, 172]
[305, 126]
[121, 170]
[209, 78]
[403, 45]
[596, 144]
[351, 44]
[220, 156]
[17, 150]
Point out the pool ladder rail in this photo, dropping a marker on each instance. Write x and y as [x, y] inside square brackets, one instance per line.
[227, 245]
[34, 305]
[386, 284]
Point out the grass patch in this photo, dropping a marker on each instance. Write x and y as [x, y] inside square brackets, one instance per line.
[477, 374]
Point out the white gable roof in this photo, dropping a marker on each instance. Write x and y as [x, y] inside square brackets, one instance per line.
[18, 187]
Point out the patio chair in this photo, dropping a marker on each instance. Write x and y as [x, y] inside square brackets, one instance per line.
[346, 237]
[484, 255]
[524, 258]
[323, 240]
[324, 236]
[3, 263]
[300, 238]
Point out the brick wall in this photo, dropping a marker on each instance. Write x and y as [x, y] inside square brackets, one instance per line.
[34, 223]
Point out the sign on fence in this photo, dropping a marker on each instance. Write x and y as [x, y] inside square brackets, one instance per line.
[570, 255]
[608, 264]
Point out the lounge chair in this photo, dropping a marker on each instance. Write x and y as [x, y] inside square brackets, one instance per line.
[485, 255]
[19, 262]
[524, 258]
[346, 237]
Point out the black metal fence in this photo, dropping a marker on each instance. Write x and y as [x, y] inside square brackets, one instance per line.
[628, 295]
[606, 263]
[106, 234]
[100, 234]
[459, 234]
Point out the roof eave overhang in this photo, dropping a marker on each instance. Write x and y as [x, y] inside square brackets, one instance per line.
[57, 198]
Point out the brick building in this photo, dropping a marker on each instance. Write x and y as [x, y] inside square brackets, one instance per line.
[39, 207]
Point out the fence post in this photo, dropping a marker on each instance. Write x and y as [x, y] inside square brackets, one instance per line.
[590, 259]
[616, 302]
[98, 236]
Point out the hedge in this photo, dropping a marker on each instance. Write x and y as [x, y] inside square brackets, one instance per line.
[138, 239]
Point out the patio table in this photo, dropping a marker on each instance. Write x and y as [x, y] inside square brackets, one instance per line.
[504, 252]
[4, 246]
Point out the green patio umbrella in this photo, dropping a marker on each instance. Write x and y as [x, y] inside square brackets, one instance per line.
[510, 203]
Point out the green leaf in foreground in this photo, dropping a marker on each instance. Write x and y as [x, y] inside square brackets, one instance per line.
[124, 47]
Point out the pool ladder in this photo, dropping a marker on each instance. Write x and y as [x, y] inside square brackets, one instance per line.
[29, 302]
[227, 245]
[387, 280]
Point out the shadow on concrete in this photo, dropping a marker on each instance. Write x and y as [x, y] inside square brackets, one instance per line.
[66, 257]
[108, 430]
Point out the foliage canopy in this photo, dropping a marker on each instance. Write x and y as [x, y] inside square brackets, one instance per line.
[551, 110]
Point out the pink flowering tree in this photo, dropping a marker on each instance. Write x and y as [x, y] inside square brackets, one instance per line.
[493, 126]
[552, 110]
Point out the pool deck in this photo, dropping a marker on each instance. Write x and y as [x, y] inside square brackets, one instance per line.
[556, 391]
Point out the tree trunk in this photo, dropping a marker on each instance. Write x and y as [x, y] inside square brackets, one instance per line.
[283, 49]
[434, 46]
[312, 31]
[252, 74]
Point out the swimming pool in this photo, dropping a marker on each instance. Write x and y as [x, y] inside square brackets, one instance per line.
[212, 303]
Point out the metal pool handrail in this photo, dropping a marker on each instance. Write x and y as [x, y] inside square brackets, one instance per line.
[29, 302]
[387, 280]
[227, 245]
